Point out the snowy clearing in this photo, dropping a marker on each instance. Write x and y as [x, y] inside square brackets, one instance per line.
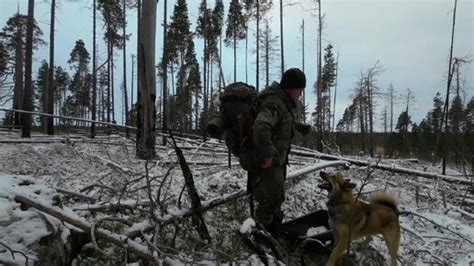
[95, 180]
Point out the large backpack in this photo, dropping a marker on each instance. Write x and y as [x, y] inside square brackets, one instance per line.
[239, 103]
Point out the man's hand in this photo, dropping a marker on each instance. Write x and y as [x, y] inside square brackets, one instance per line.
[303, 128]
[267, 162]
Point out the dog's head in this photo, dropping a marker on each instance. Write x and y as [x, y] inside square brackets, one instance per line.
[335, 182]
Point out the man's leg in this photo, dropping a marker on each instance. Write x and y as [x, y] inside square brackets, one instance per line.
[268, 191]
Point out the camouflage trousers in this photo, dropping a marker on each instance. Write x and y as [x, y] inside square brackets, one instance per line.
[268, 190]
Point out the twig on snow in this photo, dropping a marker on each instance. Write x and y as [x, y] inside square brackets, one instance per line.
[12, 252]
[439, 225]
[75, 194]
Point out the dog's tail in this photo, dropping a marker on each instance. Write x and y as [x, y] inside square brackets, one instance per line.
[385, 199]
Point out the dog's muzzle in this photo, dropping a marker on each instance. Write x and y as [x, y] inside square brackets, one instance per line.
[325, 184]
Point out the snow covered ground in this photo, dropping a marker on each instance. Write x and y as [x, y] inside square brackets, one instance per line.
[438, 229]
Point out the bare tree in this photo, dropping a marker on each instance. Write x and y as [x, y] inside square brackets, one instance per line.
[281, 39]
[147, 83]
[164, 99]
[49, 97]
[257, 44]
[27, 99]
[335, 94]
[125, 93]
[268, 42]
[446, 104]
[302, 67]
[372, 91]
[94, 66]
[391, 96]
[318, 82]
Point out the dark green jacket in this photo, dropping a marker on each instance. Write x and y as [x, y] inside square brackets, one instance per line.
[274, 125]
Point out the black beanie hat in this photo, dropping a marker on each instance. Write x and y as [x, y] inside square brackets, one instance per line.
[293, 78]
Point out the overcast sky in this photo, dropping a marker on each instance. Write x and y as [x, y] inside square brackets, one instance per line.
[410, 38]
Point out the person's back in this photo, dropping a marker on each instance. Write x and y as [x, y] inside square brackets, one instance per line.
[275, 118]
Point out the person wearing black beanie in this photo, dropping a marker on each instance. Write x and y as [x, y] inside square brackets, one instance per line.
[272, 132]
[293, 78]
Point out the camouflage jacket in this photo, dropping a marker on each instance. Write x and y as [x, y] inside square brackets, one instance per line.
[274, 125]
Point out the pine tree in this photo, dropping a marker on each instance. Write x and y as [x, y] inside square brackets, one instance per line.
[178, 33]
[469, 132]
[3, 62]
[178, 38]
[404, 121]
[114, 22]
[328, 77]
[40, 88]
[204, 31]
[257, 9]
[235, 29]
[17, 24]
[61, 83]
[269, 53]
[79, 60]
[456, 120]
[469, 116]
[456, 115]
[436, 115]
[193, 84]
[13, 37]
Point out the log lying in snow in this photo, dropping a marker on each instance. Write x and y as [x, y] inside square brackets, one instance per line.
[197, 218]
[384, 167]
[315, 167]
[67, 118]
[118, 240]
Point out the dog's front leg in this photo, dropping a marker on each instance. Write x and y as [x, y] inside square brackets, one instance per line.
[342, 243]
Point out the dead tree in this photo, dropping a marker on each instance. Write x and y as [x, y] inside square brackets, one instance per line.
[49, 97]
[94, 70]
[27, 99]
[318, 82]
[281, 39]
[165, 73]
[125, 93]
[444, 147]
[147, 83]
[197, 218]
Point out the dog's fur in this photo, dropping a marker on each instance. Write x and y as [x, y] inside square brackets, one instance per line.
[350, 218]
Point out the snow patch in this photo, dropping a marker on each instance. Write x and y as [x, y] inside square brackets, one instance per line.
[247, 226]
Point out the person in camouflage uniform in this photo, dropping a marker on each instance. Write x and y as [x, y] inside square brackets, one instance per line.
[265, 154]
[273, 130]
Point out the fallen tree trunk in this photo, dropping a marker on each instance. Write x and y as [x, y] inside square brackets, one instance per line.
[315, 167]
[197, 218]
[67, 118]
[116, 239]
[384, 167]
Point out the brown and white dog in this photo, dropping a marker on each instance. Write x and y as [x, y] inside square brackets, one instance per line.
[350, 218]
